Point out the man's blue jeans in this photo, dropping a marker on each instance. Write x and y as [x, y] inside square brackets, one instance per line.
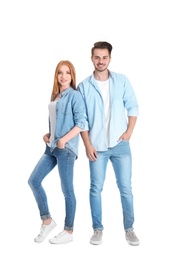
[64, 159]
[120, 157]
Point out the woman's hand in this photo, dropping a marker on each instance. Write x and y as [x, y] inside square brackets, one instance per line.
[46, 138]
[60, 144]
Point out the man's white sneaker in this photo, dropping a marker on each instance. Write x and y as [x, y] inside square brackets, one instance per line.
[62, 237]
[96, 239]
[44, 231]
[132, 238]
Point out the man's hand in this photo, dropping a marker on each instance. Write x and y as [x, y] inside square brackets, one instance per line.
[91, 153]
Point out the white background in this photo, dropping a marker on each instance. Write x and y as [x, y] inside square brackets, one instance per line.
[35, 36]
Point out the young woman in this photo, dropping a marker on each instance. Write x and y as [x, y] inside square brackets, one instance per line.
[66, 120]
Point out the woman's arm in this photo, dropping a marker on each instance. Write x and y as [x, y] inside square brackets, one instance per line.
[70, 135]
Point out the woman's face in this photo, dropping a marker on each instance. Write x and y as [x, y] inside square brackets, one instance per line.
[64, 77]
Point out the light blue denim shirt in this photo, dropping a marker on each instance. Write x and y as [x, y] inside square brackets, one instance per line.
[70, 112]
[123, 103]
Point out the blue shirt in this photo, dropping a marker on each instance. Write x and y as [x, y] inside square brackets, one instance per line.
[70, 112]
[123, 103]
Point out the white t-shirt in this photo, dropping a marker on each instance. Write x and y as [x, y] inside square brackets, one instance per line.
[105, 92]
[52, 116]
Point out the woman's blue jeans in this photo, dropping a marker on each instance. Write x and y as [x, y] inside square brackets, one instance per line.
[120, 157]
[64, 159]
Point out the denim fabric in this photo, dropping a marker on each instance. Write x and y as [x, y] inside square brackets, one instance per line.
[64, 159]
[120, 157]
[122, 98]
[70, 112]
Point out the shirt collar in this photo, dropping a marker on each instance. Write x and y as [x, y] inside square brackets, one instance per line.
[67, 90]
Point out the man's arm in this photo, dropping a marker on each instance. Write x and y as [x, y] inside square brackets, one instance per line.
[131, 124]
[90, 151]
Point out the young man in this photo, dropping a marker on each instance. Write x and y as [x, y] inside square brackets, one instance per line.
[112, 111]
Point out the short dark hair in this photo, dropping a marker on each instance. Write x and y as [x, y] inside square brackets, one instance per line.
[102, 45]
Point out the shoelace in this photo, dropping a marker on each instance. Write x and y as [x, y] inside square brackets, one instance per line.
[43, 227]
[131, 232]
[97, 232]
[60, 234]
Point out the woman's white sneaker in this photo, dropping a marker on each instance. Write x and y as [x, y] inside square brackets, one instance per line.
[62, 237]
[44, 231]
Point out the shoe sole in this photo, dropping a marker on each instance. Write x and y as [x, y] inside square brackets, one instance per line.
[96, 243]
[64, 242]
[133, 243]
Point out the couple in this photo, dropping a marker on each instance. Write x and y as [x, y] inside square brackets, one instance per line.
[103, 109]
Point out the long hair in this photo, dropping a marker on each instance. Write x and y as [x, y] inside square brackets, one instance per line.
[55, 90]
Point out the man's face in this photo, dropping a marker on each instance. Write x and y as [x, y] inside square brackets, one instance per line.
[101, 59]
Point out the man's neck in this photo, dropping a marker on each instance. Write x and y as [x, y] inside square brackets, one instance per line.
[101, 76]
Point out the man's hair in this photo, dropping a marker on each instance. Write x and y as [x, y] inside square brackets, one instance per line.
[102, 45]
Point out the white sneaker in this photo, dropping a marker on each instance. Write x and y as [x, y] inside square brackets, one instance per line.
[96, 239]
[44, 231]
[132, 238]
[62, 237]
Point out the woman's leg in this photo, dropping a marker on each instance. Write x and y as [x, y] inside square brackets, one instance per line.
[41, 170]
